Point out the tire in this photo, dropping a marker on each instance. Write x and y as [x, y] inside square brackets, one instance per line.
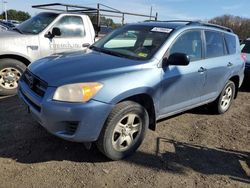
[10, 72]
[224, 101]
[120, 137]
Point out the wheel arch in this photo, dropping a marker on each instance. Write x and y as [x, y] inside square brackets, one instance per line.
[23, 59]
[147, 102]
[236, 80]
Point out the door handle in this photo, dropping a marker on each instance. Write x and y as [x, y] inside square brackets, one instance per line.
[85, 45]
[230, 64]
[202, 69]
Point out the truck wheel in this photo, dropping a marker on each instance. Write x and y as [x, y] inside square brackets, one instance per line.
[10, 73]
[124, 130]
[224, 101]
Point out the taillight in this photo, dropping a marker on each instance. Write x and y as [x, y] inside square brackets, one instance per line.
[244, 57]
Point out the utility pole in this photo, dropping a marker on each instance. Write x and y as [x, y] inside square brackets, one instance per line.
[5, 10]
[151, 9]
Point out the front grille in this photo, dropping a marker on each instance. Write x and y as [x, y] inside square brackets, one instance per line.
[35, 106]
[35, 84]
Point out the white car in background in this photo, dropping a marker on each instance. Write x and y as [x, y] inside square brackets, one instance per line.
[45, 34]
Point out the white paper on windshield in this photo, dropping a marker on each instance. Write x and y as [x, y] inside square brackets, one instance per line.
[162, 29]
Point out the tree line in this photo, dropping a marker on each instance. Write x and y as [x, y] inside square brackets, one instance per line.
[15, 15]
[240, 25]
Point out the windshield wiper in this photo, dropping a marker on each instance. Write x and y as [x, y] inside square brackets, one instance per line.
[18, 30]
[107, 51]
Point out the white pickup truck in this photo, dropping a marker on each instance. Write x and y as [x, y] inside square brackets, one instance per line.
[45, 34]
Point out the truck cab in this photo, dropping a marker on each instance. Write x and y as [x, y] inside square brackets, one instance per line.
[45, 34]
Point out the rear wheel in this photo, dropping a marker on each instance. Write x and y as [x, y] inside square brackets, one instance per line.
[224, 101]
[10, 73]
[124, 130]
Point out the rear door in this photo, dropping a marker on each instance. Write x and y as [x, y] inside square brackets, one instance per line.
[218, 64]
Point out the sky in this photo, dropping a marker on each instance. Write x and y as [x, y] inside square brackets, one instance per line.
[167, 9]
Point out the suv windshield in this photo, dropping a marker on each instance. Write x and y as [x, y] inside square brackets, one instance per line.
[133, 41]
[37, 23]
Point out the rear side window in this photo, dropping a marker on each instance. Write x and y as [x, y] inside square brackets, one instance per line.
[189, 43]
[246, 47]
[231, 43]
[214, 44]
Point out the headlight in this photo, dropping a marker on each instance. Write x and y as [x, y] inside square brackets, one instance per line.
[80, 92]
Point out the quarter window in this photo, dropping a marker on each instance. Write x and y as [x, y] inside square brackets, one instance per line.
[189, 43]
[214, 44]
[71, 26]
[231, 43]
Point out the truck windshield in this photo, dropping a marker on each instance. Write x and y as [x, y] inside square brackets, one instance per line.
[133, 41]
[37, 23]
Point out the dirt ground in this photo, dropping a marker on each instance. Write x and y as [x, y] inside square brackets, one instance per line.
[194, 149]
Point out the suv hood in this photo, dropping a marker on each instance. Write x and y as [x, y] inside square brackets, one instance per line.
[88, 66]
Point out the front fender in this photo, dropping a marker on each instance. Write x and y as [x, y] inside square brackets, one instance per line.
[130, 93]
[10, 54]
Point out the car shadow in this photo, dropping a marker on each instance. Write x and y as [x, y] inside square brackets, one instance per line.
[24, 141]
[180, 157]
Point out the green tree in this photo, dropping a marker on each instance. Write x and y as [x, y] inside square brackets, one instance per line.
[16, 15]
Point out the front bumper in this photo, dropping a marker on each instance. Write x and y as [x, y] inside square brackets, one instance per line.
[77, 122]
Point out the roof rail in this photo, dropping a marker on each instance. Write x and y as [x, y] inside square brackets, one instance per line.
[212, 25]
[169, 21]
[199, 23]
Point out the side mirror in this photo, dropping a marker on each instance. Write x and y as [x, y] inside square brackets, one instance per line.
[177, 59]
[55, 32]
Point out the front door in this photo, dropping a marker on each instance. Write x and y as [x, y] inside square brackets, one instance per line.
[182, 85]
[73, 37]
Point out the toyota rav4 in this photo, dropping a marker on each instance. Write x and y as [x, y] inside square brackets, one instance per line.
[138, 74]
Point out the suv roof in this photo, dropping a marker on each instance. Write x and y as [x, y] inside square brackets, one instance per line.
[174, 24]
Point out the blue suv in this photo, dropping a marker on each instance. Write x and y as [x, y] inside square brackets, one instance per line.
[114, 91]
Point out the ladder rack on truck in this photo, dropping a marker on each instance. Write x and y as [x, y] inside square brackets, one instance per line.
[98, 12]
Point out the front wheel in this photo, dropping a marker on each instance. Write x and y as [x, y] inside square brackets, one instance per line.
[224, 101]
[10, 73]
[124, 130]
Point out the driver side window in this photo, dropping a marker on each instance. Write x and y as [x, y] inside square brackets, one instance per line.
[189, 43]
[71, 26]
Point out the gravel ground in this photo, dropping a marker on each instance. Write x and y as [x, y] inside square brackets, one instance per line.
[193, 149]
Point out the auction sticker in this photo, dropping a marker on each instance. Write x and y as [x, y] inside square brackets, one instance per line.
[142, 54]
[162, 29]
